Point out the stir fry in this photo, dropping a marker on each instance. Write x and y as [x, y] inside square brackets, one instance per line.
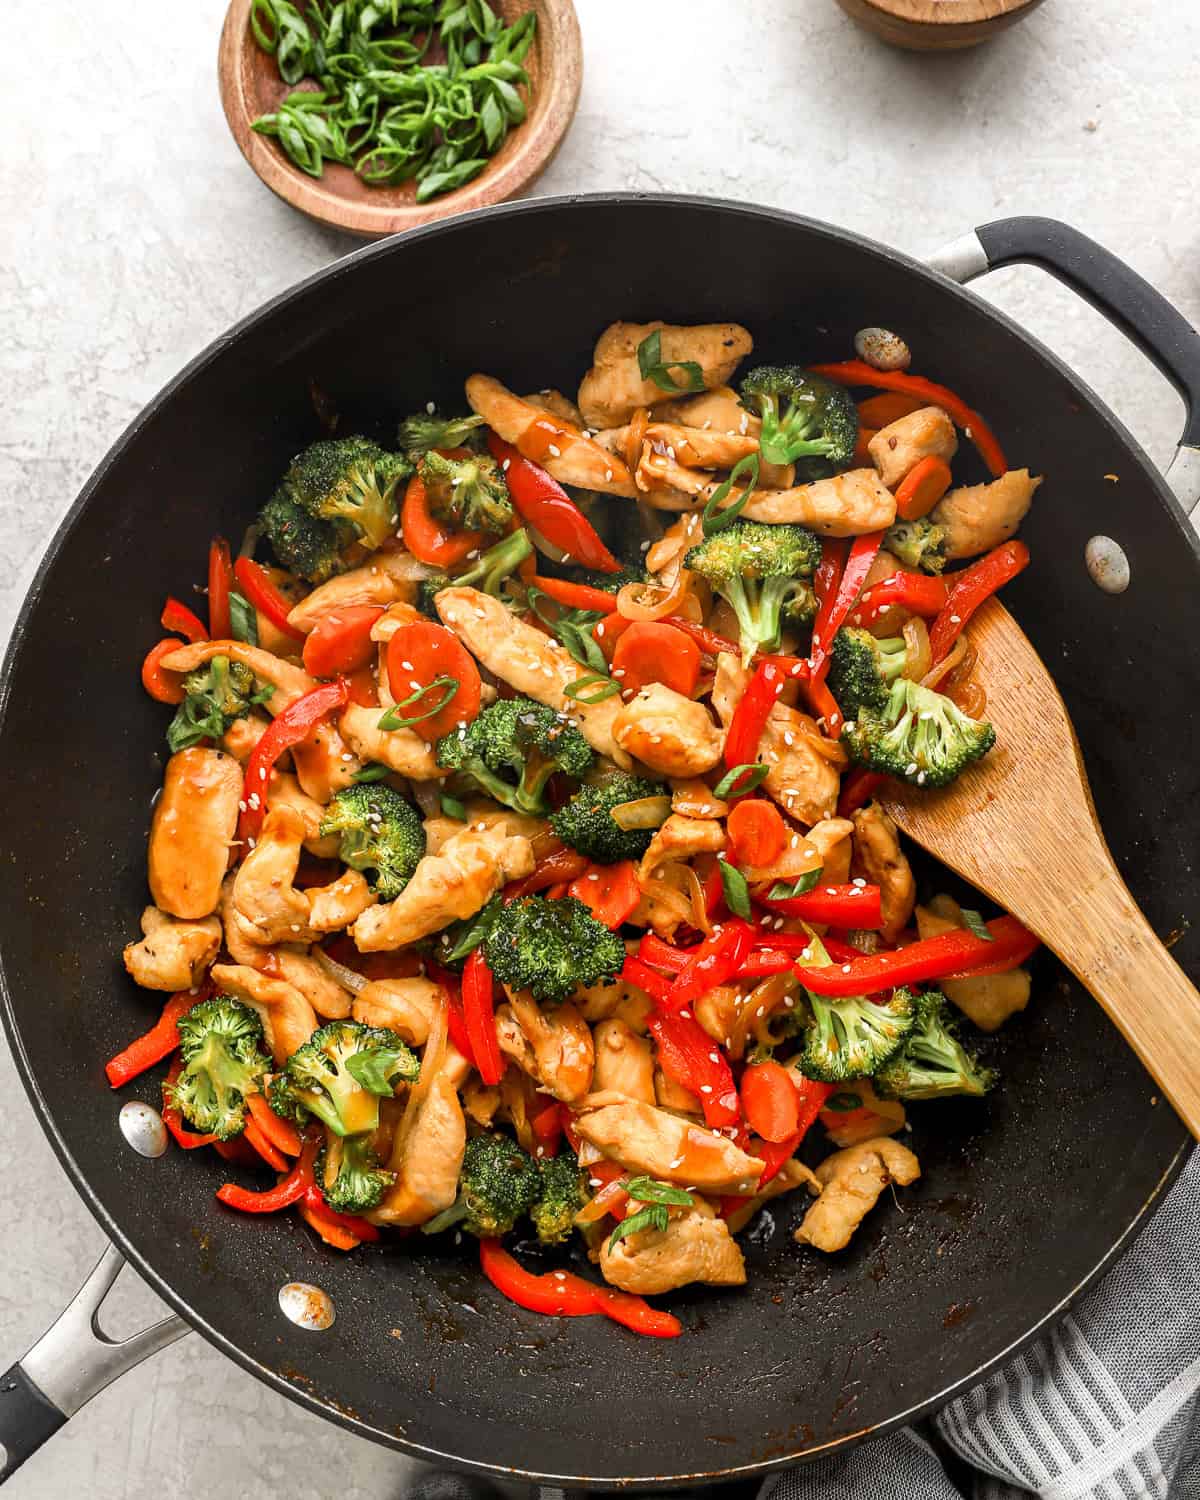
[518, 868]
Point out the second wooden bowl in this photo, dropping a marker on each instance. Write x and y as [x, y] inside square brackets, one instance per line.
[937, 25]
[251, 86]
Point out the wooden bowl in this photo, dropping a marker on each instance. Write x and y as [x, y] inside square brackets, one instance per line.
[937, 25]
[251, 86]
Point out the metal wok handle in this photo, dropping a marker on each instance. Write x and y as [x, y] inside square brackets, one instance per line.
[72, 1362]
[1142, 314]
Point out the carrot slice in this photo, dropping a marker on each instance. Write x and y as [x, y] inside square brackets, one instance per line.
[653, 652]
[756, 832]
[922, 487]
[421, 656]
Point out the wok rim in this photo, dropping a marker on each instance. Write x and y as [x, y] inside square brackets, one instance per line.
[45, 1114]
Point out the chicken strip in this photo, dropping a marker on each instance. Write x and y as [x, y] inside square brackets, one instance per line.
[720, 410]
[849, 504]
[831, 839]
[642, 1138]
[671, 1095]
[557, 405]
[671, 734]
[405, 1006]
[569, 456]
[285, 791]
[172, 955]
[288, 1019]
[513, 1042]
[454, 883]
[851, 1182]
[680, 838]
[561, 1041]
[978, 517]
[389, 578]
[401, 750]
[427, 1161]
[192, 832]
[529, 661]
[243, 734]
[334, 906]
[440, 830]
[987, 1000]
[880, 861]
[614, 998]
[693, 1247]
[241, 937]
[624, 1061]
[613, 389]
[264, 890]
[896, 448]
[326, 996]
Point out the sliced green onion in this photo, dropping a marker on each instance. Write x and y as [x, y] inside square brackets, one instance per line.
[715, 518]
[737, 892]
[653, 1216]
[753, 771]
[453, 808]
[243, 621]
[843, 1103]
[395, 720]
[374, 772]
[974, 923]
[652, 366]
[605, 686]
[649, 1190]
[784, 890]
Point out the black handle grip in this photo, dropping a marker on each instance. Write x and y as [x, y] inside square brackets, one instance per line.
[27, 1420]
[1141, 313]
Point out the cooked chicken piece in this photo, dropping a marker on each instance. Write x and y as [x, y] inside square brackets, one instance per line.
[333, 907]
[241, 937]
[324, 764]
[849, 504]
[624, 1061]
[927, 433]
[721, 411]
[405, 1006]
[804, 782]
[529, 661]
[791, 1175]
[693, 1247]
[264, 890]
[561, 1041]
[693, 798]
[402, 750]
[570, 457]
[874, 1117]
[288, 1019]
[978, 517]
[455, 883]
[701, 447]
[851, 1182]
[671, 734]
[663, 480]
[326, 996]
[481, 1101]
[243, 734]
[513, 1042]
[988, 1000]
[428, 1161]
[285, 791]
[613, 389]
[192, 831]
[389, 578]
[557, 405]
[172, 955]
[879, 860]
[391, 620]
[645, 1139]
[680, 838]
[831, 838]
[438, 831]
[660, 907]
[718, 1010]
[615, 998]
[673, 1096]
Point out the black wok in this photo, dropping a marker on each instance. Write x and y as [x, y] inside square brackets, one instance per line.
[1024, 1199]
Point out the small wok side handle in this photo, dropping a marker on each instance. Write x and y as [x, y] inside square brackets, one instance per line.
[1126, 299]
[72, 1362]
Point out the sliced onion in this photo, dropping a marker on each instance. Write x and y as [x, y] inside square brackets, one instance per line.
[250, 540]
[606, 1199]
[651, 601]
[635, 435]
[339, 973]
[428, 798]
[768, 996]
[645, 812]
[919, 657]
[821, 744]
[938, 675]
[588, 1155]
[970, 697]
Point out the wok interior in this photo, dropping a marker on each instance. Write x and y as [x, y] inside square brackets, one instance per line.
[1022, 1195]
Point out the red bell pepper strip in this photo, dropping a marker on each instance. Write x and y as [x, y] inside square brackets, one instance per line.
[178, 617]
[342, 1231]
[824, 706]
[968, 590]
[547, 1128]
[932, 958]
[689, 1055]
[826, 578]
[172, 1117]
[546, 506]
[235, 1150]
[558, 1293]
[287, 1190]
[648, 979]
[425, 536]
[282, 1134]
[636, 1314]
[852, 906]
[918, 593]
[562, 864]
[837, 602]
[162, 685]
[220, 582]
[713, 962]
[770, 1101]
[996, 966]
[292, 727]
[857, 790]
[255, 582]
[159, 1042]
[263, 1146]
[652, 950]
[713, 888]
[764, 962]
[576, 595]
[610, 892]
[776, 1154]
[751, 715]
[714, 645]
[478, 992]
[568, 1125]
[858, 372]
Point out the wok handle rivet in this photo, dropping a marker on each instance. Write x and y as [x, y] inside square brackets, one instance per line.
[1107, 564]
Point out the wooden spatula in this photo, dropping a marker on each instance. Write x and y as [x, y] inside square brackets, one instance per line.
[1022, 828]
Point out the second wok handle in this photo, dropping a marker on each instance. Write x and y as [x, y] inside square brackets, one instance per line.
[72, 1362]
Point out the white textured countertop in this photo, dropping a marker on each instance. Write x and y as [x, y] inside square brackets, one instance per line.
[132, 233]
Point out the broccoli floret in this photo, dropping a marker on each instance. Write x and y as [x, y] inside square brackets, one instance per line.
[862, 669]
[303, 545]
[487, 574]
[586, 822]
[563, 1194]
[217, 693]
[381, 834]
[551, 947]
[803, 416]
[221, 1048]
[498, 1183]
[932, 1063]
[611, 583]
[469, 493]
[351, 483]
[516, 738]
[758, 569]
[341, 1073]
[917, 736]
[852, 1038]
[425, 430]
[917, 544]
[349, 1175]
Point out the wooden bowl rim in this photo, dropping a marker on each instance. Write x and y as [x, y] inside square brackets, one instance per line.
[535, 140]
[949, 12]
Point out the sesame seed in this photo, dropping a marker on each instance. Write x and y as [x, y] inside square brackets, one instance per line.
[554, 452]
[505, 465]
[706, 1088]
[845, 968]
[608, 473]
[430, 407]
[858, 880]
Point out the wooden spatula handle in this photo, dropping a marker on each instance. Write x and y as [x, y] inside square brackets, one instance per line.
[1113, 950]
